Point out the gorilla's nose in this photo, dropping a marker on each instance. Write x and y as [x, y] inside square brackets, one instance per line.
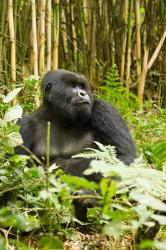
[83, 96]
[82, 93]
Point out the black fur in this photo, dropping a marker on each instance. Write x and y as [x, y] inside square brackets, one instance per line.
[76, 121]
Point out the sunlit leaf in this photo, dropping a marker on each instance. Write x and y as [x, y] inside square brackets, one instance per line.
[13, 113]
[11, 95]
[148, 200]
[14, 139]
[160, 245]
[115, 228]
[32, 223]
[160, 218]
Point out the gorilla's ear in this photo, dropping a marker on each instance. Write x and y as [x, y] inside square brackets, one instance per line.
[47, 91]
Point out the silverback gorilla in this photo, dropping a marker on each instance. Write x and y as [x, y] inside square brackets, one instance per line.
[77, 120]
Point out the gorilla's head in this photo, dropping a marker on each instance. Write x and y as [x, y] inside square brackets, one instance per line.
[68, 94]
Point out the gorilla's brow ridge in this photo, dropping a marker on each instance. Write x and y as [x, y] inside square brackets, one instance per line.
[69, 79]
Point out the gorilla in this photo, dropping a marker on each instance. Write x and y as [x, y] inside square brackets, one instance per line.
[77, 120]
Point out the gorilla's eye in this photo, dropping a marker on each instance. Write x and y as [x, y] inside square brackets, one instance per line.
[49, 86]
[82, 86]
[73, 85]
[78, 85]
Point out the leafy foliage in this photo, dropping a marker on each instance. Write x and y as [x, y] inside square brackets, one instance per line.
[38, 201]
[150, 134]
[157, 153]
[114, 92]
[29, 85]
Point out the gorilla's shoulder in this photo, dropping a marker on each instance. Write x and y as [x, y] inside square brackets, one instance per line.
[103, 109]
[34, 117]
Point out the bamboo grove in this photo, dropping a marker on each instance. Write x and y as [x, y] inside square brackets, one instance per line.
[85, 36]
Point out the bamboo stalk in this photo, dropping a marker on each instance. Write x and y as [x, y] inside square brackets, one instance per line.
[34, 38]
[114, 23]
[157, 50]
[13, 45]
[64, 34]
[83, 42]
[42, 38]
[143, 75]
[68, 31]
[107, 27]
[35, 50]
[147, 65]
[25, 26]
[128, 62]
[2, 28]
[93, 48]
[56, 34]
[111, 38]
[124, 38]
[138, 37]
[74, 37]
[49, 6]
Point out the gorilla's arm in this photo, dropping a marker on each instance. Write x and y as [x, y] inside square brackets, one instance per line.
[76, 167]
[27, 131]
[110, 128]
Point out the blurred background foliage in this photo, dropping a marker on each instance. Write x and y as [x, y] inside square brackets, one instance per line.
[88, 37]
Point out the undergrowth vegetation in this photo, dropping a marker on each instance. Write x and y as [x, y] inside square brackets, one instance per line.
[36, 209]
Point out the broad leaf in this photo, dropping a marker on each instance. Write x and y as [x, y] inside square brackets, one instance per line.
[11, 95]
[13, 113]
[14, 139]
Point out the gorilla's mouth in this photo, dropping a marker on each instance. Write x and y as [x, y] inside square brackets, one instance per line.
[83, 103]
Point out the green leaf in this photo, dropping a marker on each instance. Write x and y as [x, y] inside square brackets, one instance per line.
[13, 113]
[146, 244]
[2, 243]
[79, 182]
[32, 223]
[50, 242]
[104, 184]
[13, 220]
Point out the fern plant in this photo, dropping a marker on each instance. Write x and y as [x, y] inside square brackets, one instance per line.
[144, 185]
[114, 92]
[156, 153]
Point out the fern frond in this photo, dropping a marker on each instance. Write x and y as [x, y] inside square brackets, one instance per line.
[144, 185]
[105, 153]
[159, 151]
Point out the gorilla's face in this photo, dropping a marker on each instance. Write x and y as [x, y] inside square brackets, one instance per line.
[69, 95]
